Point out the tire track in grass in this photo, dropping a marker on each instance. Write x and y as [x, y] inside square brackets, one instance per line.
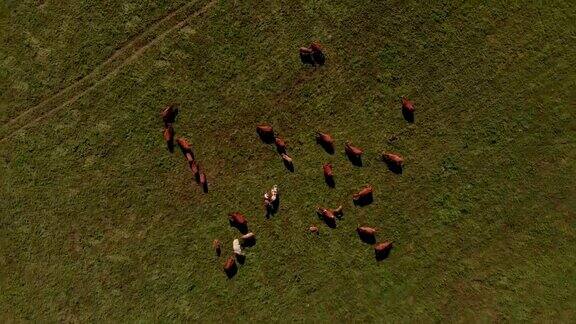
[125, 55]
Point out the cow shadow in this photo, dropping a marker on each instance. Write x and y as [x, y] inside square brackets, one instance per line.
[395, 168]
[408, 116]
[243, 228]
[288, 165]
[381, 255]
[273, 208]
[330, 181]
[364, 201]
[327, 147]
[266, 138]
[355, 160]
[205, 187]
[368, 239]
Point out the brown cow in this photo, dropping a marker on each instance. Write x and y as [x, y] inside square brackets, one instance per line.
[394, 161]
[364, 196]
[367, 234]
[352, 150]
[202, 181]
[382, 250]
[230, 267]
[169, 137]
[328, 172]
[317, 54]
[327, 215]
[288, 162]
[280, 145]
[408, 105]
[313, 229]
[239, 221]
[354, 153]
[169, 114]
[266, 133]
[217, 247]
[195, 170]
[326, 141]
[408, 110]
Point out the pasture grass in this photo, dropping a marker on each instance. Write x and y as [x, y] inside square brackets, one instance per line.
[99, 222]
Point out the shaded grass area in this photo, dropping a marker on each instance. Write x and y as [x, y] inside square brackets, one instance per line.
[100, 222]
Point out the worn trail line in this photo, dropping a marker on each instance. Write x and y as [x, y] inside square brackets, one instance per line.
[120, 58]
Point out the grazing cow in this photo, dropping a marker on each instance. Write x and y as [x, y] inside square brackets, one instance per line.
[280, 145]
[363, 197]
[326, 141]
[317, 54]
[202, 181]
[186, 148]
[394, 161]
[169, 114]
[313, 229]
[239, 221]
[248, 240]
[327, 168]
[271, 201]
[367, 234]
[236, 247]
[230, 267]
[408, 110]
[266, 133]
[195, 170]
[353, 151]
[169, 137]
[327, 215]
[306, 55]
[382, 250]
[288, 163]
[408, 105]
[328, 175]
[217, 247]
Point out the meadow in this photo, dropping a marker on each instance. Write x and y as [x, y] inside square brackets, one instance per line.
[98, 222]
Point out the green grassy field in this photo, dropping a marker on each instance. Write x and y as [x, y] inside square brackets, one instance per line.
[98, 222]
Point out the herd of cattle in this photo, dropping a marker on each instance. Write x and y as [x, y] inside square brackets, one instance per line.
[314, 56]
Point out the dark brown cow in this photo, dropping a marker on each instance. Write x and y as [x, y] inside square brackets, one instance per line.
[266, 133]
[367, 234]
[230, 267]
[169, 114]
[382, 250]
[280, 145]
[326, 141]
[169, 137]
[217, 247]
[364, 196]
[394, 161]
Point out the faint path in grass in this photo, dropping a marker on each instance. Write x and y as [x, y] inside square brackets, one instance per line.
[123, 56]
